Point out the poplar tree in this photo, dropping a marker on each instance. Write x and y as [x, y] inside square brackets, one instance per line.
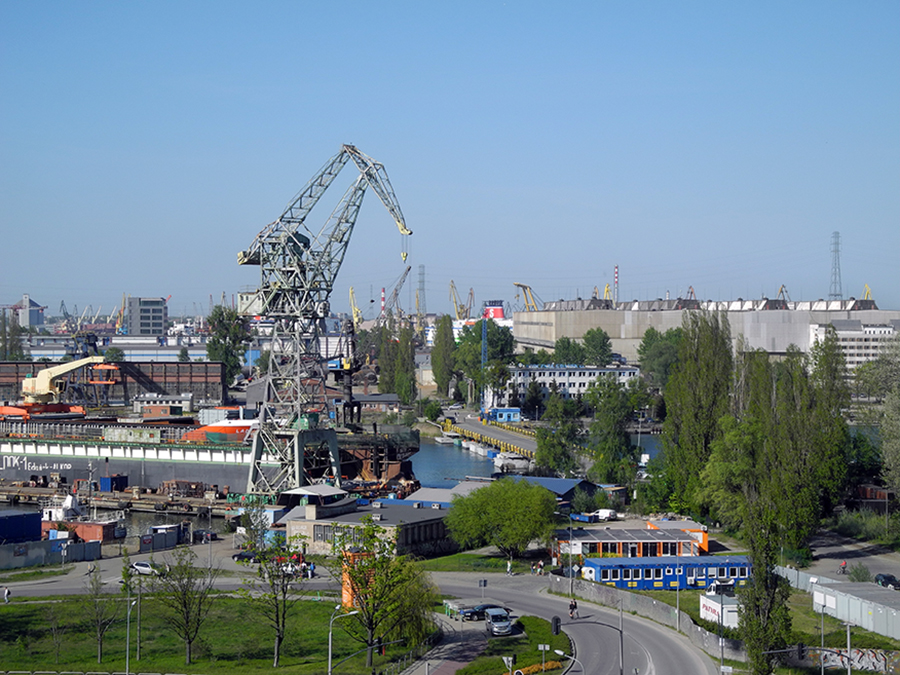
[597, 347]
[442, 354]
[614, 458]
[697, 396]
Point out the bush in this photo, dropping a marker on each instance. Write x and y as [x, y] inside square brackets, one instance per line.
[433, 411]
[859, 573]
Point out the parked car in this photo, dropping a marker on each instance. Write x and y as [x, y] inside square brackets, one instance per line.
[497, 621]
[476, 613]
[245, 556]
[888, 581]
[148, 568]
[204, 536]
[455, 406]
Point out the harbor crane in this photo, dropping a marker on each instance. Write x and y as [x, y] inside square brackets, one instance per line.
[355, 311]
[298, 266]
[529, 297]
[393, 300]
[462, 311]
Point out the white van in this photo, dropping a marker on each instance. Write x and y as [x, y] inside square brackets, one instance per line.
[497, 621]
[605, 514]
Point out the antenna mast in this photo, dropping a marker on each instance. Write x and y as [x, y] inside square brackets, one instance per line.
[835, 293]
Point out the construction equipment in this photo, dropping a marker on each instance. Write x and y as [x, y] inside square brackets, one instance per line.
[298, 268]
[868, 293]
[607, 295]
[462, 311]
[529, 297]
[356, 313]
[392, 305]
[783, 294]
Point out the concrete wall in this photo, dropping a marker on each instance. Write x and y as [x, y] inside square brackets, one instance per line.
[771, 330]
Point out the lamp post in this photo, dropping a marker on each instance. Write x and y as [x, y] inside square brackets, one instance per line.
[128, 637]
[331, 625]
[568, 656]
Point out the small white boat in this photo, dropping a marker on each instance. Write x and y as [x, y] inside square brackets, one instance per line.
[509, 462]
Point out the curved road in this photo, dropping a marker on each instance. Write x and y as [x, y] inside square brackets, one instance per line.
[648, 647]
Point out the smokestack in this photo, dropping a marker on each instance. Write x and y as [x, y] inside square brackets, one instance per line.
[382, 301]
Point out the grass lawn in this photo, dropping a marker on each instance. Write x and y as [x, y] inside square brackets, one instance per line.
[477, 562]
[534, 631]
[33, 573]
[233, 640]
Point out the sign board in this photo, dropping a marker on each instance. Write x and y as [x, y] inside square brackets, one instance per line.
[544, 648]
[727, 669]
[482, 583]
[508, 661]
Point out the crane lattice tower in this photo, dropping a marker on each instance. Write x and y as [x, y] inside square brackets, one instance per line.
[298, 267]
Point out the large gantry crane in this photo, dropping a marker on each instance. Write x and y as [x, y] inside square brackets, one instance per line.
[298, 268]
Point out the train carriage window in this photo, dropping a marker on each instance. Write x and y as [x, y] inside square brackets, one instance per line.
[743, 572]
[723, 572]
[691, 573]
[680, 570]
[669, 571]
[615, 574]
[712, 572]
[604, 575]
[626, 574]
[658, 573]
[648, 573]
[732, 572]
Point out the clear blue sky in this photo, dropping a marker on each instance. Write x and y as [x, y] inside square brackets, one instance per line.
[705, 144]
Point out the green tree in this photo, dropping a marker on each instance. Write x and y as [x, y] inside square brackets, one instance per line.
[186, 594]
[657, 354]
[183, 355]
[442, 354]
[890, 438]
[113, 355]
[11, 333]
[468, 352]
[597, 347]
[508, 514]
[614, 458]
[569, 352]
[392, 594]
[405, 367]
[228, 338]
[530, 357]
[101, 610]
[433, 410]
[534, 399]
[558, 441]
[697, 396]
[273, 593]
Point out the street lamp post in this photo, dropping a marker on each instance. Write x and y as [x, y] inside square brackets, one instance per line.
[568, 656]
[128, 637]
[331, 625]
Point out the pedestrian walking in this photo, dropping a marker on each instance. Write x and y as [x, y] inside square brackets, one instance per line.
[6, 594]
[541, 568]
[533, 569]
[312, 570]
[573, 609]
[509, 568]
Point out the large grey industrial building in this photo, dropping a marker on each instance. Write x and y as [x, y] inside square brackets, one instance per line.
[771, 325]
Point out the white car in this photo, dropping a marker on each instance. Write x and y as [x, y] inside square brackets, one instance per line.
[455, 406]
[148, 568]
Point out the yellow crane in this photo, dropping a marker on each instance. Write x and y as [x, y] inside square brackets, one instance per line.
[607, 295]
[528, 295]
[868, 294]
[462, 311]
[357, 314]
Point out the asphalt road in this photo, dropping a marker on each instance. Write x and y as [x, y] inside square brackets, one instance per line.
[649, 648]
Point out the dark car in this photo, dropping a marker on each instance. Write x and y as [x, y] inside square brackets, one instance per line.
[245, 556]
[204, 536]
[476, 613]
[888, 581]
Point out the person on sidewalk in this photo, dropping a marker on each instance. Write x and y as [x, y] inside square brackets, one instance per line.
[6, 594]
[509, 568]
[533, 569]
[540, 568]
[573, 609]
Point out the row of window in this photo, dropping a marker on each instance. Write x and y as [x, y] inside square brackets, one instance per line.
[651, 573]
